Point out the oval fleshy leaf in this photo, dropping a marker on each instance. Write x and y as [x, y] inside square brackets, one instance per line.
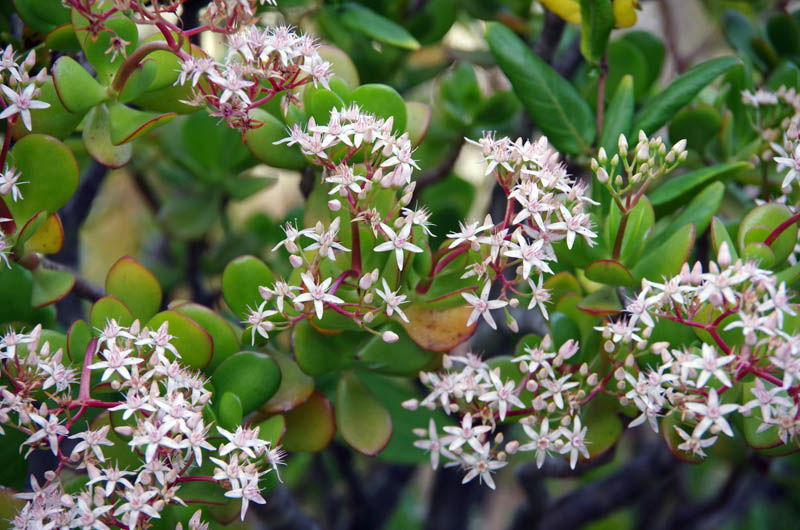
[272, 430]
[63, 39]
[603, 302]
[674, 192]
[384, 102]
[253, 377]
[666, 260]
[97, 139]
[78, 338]
[438, 330]
[51, 172]
[76, 88]
[139, 81]
[226, 341]
[341, 64]
[295, 387]
[604, 427]
[319, 354]
[403, 357]
[363, 422]
[50, 286]
[128, 124]
[229, 411]
[54, 120]
[609, 272]
[769, 215]
[192, 342]
[261, 142]
[419, 119]
[240, 282]
[96, 46]
[310, 427]
[31, 226]
[107, 308]
[135, 286]
[49, 238]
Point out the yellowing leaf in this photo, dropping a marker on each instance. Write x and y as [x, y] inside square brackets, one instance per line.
[624, 13]
[569, 10]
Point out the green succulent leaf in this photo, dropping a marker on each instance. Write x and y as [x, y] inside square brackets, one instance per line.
[193, 343]
[76, 88]
[240, 282]
[552, 102]
[357, 17]
[97, 139]
[663, 106]
[223, 336]
[108, 308]
[677, 190]
[50, 286]
[361, 418]
[135, 286]
[310, 427]
[51, 174]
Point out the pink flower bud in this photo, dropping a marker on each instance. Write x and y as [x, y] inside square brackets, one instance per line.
[365, 281]
[512, 447]
[334, 205]
[724, 255]
[410, 404]
[389, 336]
[265, 293]
[295, 260]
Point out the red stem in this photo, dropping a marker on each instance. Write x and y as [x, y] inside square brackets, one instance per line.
[780, 228]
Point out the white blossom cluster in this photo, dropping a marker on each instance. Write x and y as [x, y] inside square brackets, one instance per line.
[776, 120]
[384, 162]
[693, 382]
[482, 398]
[158, 419]
[259, 64]
[544, 206]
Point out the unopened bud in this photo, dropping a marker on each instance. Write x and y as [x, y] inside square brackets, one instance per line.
[531, 386]
[334, 205]
[389, 336]
[499, 438]
[265, 293]
[618, 181]
[368, 298]
[512, 447]
[592, 379]
[724, 255]
[630, 361]
[366, 281]
[513, 302]
[369, 317]
[602, 176]
[622, 144]
[584, 369]
[410, 404]
[295, 260]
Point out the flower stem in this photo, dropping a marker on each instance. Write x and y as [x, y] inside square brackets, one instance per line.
[780, 229]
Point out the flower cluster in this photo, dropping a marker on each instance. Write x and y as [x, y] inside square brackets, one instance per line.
[743, 314]
[483, 398]
[544, 206]
[366, 210]
[258, 65]
[155, 425]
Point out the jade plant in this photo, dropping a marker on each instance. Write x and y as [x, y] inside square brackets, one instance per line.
[622, 257]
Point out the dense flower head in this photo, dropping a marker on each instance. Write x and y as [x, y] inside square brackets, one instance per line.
[260, 63]
[481, 397]
[746, 303]
[158, 419]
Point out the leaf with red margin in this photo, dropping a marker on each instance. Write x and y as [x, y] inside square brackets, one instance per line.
[128, 124]
[107, 308]
[78, 338]
[193, 343]
[310, 427]
[97, 139]
[50, 286]
[135, 286]
[609, 272]
[49, 238]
